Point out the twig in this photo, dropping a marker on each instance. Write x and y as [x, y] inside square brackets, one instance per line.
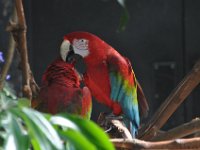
[192, 143]
[9, 55]
[33, 85]
[177, 96]
[180, 131]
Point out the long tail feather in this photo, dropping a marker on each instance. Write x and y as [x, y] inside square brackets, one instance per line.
[142, 101]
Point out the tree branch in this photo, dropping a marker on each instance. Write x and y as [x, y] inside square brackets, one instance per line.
[192, 143]
[18, 30]
[9, 55]
[180, 131]
[113, 126]
[22, 47]
[177, 96]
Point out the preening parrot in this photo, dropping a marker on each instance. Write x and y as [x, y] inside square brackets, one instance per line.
[110, 77]
[60, 90]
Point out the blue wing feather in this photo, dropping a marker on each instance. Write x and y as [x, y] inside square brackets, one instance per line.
[126, 95]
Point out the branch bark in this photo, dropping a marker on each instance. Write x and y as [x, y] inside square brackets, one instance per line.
[180, 131]
[127, 144]
[18, 30]
[177, 96]
[22, 47]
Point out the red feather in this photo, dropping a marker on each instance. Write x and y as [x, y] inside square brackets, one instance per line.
[61, 92]
[101, 58]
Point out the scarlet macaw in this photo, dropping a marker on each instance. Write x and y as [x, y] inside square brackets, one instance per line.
[110, 77]
[60, 90]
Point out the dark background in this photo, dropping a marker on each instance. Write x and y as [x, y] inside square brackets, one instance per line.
[161, 40]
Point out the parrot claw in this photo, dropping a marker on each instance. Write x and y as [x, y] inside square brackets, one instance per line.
[109, 129]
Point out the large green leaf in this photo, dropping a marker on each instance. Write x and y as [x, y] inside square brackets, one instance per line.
[79, 141]
[16, 136]
[70, 132]
[43, 136]
[92, 132]
[45, 126]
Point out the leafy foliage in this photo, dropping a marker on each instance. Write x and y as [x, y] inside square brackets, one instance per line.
[22, 128]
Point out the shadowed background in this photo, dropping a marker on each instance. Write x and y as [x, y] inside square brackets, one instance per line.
[161, 40]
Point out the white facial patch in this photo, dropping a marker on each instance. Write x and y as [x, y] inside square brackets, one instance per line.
[64, 49]
[80, 47]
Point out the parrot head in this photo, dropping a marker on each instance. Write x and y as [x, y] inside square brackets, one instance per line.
[67, 53]
[83, 44]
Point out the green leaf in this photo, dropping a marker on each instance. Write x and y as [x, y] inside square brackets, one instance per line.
[77, 139]
[43, 136]
[123, 20]
[124, 17]
[92, 132]
[2, 137]
[6, 101]
[64, 122]
[24, 102]
[45, 126]
[17, 137]
[10, 143]
[9, 92]
[72, 133]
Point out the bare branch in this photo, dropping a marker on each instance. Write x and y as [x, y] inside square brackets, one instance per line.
[177, 96]
[18, 30]
[22, 47]
[33, 85]
[180, 131]
[8, 61]
[9, 55]
[192, 143]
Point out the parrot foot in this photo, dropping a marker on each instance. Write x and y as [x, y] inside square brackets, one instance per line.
[113, 125]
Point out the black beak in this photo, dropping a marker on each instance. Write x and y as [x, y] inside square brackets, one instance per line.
[72, 57]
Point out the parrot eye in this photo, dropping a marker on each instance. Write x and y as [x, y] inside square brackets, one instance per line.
[81, 44]
[81, 47]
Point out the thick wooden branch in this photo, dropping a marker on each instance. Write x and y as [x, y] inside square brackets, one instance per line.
[127, 144]
[18, 30]
[177, 96]
[180, 131]
[22, 47]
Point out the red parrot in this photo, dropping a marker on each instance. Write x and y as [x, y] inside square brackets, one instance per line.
[110, 77]
[60, 90]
